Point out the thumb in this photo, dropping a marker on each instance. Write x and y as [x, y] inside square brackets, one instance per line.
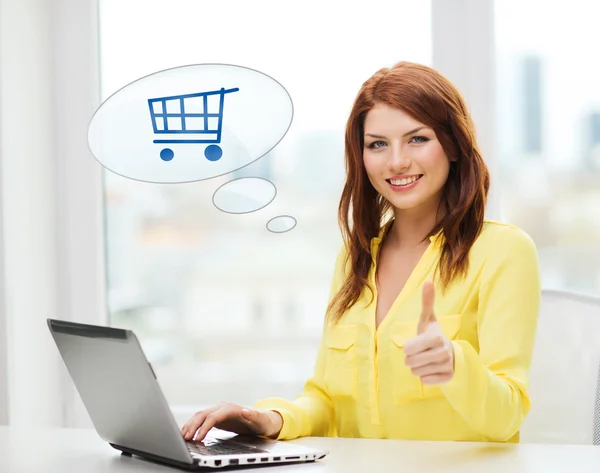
[427, 313]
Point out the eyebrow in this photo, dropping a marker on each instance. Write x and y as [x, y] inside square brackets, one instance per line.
[403, 136]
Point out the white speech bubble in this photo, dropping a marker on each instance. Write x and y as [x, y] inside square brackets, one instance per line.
[281, 224]
[223, 117]
[244, 195]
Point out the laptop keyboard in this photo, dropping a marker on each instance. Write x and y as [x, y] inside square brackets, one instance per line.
[222, 448]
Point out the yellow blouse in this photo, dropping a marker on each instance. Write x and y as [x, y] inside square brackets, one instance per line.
[362, 388]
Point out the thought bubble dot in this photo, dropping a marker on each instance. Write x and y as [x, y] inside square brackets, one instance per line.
[281, 224]
[244, 195]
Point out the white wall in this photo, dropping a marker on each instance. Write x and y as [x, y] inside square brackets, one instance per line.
[29, 212]
[50, 196]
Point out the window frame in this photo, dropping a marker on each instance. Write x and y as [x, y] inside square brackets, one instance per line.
[51, 242]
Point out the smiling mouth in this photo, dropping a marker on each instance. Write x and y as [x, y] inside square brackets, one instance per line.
[404, 182]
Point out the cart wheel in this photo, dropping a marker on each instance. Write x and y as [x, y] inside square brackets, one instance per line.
[213, 153]
[167, 154]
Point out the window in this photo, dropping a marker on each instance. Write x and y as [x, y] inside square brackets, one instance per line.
[548, 116]
[206, 291]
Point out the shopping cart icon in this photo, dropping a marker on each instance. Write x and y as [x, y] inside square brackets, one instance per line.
[190, 115]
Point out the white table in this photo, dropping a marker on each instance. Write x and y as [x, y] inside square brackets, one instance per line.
[65, 450]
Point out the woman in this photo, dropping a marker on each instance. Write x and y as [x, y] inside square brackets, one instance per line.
[392, 364]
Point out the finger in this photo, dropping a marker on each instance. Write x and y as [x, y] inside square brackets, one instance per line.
[212, 420]
[436, 379]
[423, 342]
[433, 355]
[192, 426]
[197, 420]
[431, 369]
[428, 297]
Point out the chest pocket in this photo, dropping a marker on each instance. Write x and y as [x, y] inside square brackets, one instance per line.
[406, 386]
[341, 370]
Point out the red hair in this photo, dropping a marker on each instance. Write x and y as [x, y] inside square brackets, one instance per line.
[430, 98]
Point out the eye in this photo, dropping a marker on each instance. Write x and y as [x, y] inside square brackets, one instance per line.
[422, 139]
[376, 144]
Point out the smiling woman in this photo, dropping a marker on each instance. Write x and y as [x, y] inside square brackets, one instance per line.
[433, 309]
[445, 180]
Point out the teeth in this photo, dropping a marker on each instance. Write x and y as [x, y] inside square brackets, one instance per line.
[403, 182]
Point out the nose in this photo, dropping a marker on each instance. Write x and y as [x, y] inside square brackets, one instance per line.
[399, 159]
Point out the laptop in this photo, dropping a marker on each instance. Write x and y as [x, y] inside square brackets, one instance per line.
[129, 411]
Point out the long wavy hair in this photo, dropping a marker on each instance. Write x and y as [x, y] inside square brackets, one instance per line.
[432, 99]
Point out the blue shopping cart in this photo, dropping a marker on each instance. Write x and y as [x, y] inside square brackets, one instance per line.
[189, 115]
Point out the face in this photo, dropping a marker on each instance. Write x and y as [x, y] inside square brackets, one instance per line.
[404, 160]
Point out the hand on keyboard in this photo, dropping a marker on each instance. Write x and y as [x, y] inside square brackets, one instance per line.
[233, 418]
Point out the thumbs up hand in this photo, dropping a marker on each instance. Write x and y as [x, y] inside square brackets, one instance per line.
[430, 354]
